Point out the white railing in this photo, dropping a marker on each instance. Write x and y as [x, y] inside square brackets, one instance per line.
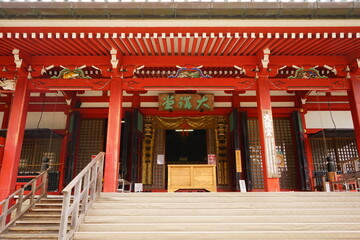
[12, 208]
[82, 190]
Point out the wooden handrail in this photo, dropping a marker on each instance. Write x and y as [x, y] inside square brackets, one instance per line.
[10, 204]
[83, 190]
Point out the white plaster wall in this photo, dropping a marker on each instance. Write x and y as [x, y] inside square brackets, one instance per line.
[322, 119]
[50, 120]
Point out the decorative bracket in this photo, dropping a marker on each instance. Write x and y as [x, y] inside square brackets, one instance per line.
[185, 72]
[242, 70]
[114, 61]
[17, 59]
[8, 84]
[265, 61]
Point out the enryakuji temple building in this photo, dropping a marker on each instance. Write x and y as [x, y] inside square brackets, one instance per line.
[261, 91]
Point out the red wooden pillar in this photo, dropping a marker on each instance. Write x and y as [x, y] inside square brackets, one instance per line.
[135, 100]
[62, 161]
[354, 99]
[235, 100]
[267, 140]
[5, 121]
[14, 139]
[112, 160]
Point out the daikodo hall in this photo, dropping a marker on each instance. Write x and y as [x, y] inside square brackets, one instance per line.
[179, 105]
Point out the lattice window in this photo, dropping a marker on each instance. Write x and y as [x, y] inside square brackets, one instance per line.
[283, 143]
[285, 146]
[340, 149]
[320, 148]
[91, 141]
[159, 169]
[255, 153]
[35, 149]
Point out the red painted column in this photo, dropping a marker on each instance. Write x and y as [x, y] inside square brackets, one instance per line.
[135, 100]
[14, 139]
[112, 159]
[267, 140]
[235, 100]
[354, 99]
[5, 121]
[62, 161]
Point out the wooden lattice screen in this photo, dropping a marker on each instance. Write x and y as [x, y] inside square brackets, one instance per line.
[35, 149]
[284, 145]
[340, 149]
[159, 169]
[91, 141]
[255, 153]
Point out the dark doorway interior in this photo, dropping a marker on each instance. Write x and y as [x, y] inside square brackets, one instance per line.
[186, 147]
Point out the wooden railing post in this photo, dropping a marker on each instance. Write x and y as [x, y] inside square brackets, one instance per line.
[20, 202]
[75, 212]
[93, 180]
[4, 209]
[86, 192]
[64, 216]
[33, 192]
[45, 181]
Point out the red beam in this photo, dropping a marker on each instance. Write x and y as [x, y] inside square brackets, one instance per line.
[171, 61]
[69, 84]
[326, 107]
[137, 84]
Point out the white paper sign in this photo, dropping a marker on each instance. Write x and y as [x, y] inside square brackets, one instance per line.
[138, 187]
[160, 159]
[242, 185]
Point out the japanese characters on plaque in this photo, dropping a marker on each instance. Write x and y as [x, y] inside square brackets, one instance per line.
[186, 102]
[272, 167]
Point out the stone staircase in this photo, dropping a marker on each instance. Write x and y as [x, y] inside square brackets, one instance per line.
[41, 222]
[210, 216]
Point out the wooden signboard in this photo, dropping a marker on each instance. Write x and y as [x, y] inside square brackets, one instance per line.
[186, 102]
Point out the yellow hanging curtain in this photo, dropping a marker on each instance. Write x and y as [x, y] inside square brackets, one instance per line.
[201, 122]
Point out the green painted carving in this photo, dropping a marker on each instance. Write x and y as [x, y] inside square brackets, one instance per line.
[66, 73]
[307, 73]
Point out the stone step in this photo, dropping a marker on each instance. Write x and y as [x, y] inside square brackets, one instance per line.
[46, 210]
[34, 228]
[42, 216]
[233, 235]
[221, 212]
[225, 197]
[48, 205]
[216, 219]
[29, 236]
[217, 227]
[223, 200]
[233, 205]
[37, 221]
[206, 195]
